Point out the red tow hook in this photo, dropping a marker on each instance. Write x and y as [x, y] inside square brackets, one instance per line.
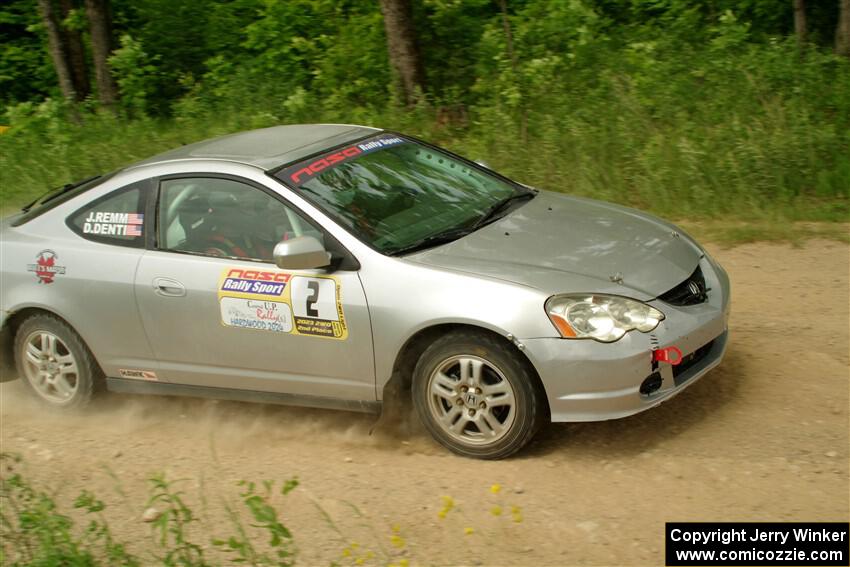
[670, 355]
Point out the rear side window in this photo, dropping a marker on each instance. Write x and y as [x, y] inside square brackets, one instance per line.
[117, 218]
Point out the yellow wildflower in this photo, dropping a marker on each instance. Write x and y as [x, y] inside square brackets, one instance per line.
[516, 512]
[448, 504]
[495, 488]
[396, 528]
[403, 563]
[496, 510]
[468, 531]
[359, 561]
[346, 552]
[397, 540]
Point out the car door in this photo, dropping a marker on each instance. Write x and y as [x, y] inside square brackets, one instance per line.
[219, 313]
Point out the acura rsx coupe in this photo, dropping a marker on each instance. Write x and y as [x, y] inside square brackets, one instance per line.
[322, 265]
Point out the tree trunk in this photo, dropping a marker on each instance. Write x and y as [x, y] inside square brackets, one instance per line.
[842, 31]
[402, 48]
[58, 51]
[76, 53]
[509, 44]
[100, 25]
[800, 21]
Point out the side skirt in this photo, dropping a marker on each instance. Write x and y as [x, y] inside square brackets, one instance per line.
[129, 386]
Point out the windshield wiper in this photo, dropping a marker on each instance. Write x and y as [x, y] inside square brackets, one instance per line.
[453, 234]
[432, 240]
[497, 208]
[53, 193]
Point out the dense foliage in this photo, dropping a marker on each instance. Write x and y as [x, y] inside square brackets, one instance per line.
[707, 108]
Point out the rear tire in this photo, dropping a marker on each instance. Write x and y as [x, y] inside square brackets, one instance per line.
[477, 396]
[54, 362]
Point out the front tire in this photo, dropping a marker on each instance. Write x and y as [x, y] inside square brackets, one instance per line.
[477, 396]
[54, 363]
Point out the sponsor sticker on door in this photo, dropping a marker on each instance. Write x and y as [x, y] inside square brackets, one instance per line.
[256, 314]
[270, 300]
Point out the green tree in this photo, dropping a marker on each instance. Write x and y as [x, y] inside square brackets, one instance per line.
[25, 69]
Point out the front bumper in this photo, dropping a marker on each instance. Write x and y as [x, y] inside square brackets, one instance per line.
[586, 380]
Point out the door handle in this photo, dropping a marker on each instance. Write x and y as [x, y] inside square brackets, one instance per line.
[168, 287]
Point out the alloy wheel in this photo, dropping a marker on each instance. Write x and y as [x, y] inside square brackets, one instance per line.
[471, 400]
[50, 367]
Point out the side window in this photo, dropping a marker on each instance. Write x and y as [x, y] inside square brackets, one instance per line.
[117, 218]
[226, 218]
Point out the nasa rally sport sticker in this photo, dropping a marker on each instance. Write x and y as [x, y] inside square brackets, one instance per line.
[304, 171]
[45, 266]
[268, 300]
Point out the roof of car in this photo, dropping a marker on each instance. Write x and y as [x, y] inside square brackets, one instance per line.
[266, 148]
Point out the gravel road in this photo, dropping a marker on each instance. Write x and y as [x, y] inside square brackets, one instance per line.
[763, 437]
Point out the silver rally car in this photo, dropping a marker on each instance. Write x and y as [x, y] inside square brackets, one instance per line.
[328, 265]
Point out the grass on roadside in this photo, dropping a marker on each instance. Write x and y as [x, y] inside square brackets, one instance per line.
[735, 178]
[34, 530]
[731, 233]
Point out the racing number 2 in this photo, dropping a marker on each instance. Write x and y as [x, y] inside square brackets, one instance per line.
[312, 299]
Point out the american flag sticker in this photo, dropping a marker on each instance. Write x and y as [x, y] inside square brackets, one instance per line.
[135, 218]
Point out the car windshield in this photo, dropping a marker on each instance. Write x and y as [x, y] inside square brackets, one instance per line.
[399, 195]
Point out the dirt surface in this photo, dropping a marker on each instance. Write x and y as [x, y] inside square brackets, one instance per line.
[763, 437]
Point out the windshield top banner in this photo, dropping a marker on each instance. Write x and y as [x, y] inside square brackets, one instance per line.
[303, 171]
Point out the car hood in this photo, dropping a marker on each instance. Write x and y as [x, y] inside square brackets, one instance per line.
[557, 243]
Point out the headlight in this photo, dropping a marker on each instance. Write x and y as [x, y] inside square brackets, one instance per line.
[604, 318]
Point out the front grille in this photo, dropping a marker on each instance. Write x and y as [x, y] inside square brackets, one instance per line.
[692, 291]
[690, 360]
